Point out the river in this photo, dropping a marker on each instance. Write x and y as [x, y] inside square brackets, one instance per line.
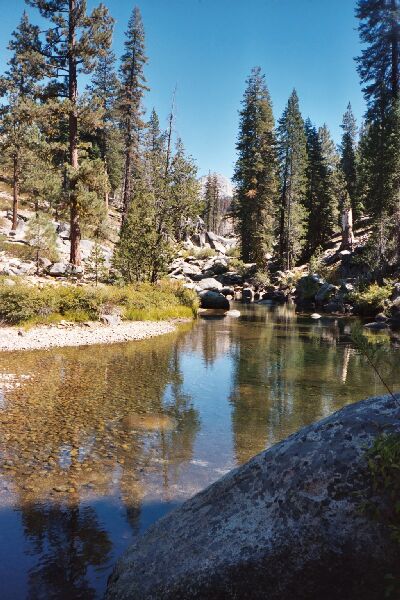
[96, 443]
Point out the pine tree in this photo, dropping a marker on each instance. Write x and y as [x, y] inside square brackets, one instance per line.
[73, 44]
[378, 67]
[212, 199]
[322, 196]
[141, 254]
[96, 264]
[329, 204]
[171, 175]
[315, 182]
[42, 236]
[155, 158]
[256, 171]
[104, 90]
[46, 191]
[133, 86]
[292, 152]
[19, 88]
[348, 159]
[183, 193]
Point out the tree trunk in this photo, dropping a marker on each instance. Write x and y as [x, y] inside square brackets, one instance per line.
[127, 176]
[15, 193]
[75, 236]
[347, 229]
[395, 51]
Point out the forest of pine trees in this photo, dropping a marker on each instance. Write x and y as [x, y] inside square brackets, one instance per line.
[294, 188]
[94, 143]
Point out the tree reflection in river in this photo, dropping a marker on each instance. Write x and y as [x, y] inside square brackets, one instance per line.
[96, 443]
[76, 425]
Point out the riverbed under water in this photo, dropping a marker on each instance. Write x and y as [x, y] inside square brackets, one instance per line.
[96, 443]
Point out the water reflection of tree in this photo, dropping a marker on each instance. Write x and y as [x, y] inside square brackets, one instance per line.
[63, 439]
[69, 540]
[210, 339]
[289, 372]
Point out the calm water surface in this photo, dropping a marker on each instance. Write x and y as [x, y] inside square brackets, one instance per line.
[97, 443]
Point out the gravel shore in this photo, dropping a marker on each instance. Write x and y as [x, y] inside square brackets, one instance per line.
[12, 338]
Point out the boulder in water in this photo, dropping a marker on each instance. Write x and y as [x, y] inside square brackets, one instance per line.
[211, 299]
[288, 524]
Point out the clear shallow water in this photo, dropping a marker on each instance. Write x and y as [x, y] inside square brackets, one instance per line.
[97, 443]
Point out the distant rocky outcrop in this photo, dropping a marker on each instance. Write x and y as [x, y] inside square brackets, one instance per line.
[286, 525]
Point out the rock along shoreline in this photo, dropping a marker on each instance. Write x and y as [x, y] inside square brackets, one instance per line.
[287, 525]
[45, 337]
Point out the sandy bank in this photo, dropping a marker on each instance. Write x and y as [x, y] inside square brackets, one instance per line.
[12, 338]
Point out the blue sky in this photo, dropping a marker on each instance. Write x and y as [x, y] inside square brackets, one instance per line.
[207, 48]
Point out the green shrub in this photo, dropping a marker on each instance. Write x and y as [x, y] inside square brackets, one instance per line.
[165, 300]
[17, 250]
[261, 279]
[235, 264]
[204, 253]
[384, 467]
[233, 252]
[288, 279]
[371, 300]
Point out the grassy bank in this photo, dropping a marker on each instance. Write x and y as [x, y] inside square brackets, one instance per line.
[22, 304]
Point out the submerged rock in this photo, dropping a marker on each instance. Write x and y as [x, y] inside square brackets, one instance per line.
[150, 422]
[288, 524]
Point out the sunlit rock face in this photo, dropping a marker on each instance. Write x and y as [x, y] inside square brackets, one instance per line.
[288, 524]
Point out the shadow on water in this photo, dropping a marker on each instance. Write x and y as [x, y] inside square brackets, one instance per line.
[69, 549]
[97, 443]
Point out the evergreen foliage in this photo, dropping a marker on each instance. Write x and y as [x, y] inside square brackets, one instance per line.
[19, 89]
[256, 172]
[96, 265]
[378, 67]
[42, 236]
[292, 154]
[104, 90]
[68, 153]
[133, 87]
[211, 213]
[142, 253]
[73, 43]
[348, 159]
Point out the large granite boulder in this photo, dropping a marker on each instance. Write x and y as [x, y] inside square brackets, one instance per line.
[214, 300]
[325, 293]
[286, 525]
[209, 284]
[307, 287]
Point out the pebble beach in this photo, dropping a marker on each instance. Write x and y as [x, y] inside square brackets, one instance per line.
[46, 337]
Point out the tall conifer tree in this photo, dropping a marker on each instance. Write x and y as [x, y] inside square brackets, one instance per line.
[133, 86]
[19, 88]
[256, 171]
[348, 158]
[212, 203]
[104, 90]
[292, 151]
[322, 193]
[73, 44]
[379, 67]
